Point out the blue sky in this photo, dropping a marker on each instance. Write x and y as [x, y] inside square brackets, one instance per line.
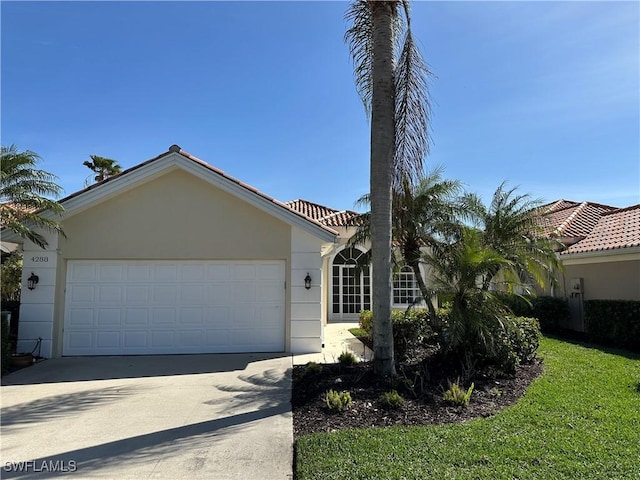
[543, 95]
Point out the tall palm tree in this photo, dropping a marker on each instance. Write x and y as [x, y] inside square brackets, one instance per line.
[511, 228]
[103, 167]
[22, 192]
[423, 212]
[391, 78]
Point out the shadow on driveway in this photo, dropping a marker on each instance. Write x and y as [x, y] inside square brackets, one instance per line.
[141, 448]
[46, 408]
[79, 369]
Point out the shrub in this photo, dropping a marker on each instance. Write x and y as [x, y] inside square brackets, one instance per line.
[311, 368]
[518, 343]
[366, 321]
[347, 358]
[337, 401]
[391, 400]
[410, 329]
[519, 305]
[613, 322]
[549, 311]
[457, 396]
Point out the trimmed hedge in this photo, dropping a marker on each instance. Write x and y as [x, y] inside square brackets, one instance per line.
[410, 329]
[613, 322]
[549, 311]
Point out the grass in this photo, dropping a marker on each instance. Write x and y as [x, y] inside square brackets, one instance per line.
[358, 332]
[579, 420]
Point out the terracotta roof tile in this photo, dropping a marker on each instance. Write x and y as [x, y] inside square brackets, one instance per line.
[327, 216]
[571, 219]
[616, 229]
[310, 209]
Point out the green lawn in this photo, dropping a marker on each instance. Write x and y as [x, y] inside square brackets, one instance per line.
[580, 419]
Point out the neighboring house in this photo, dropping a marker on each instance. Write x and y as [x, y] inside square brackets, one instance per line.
[175, 256]
[602, 255]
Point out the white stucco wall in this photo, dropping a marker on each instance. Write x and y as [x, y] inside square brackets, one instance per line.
[37, 306]
[306, 306]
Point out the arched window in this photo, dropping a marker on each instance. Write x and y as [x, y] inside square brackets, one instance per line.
[405, 287]
[351, 284]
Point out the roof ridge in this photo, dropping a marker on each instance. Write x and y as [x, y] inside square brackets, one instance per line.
[312, 203]
[570, 218]
[620, 210]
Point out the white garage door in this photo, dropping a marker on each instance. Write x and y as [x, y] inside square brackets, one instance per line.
[160, 307]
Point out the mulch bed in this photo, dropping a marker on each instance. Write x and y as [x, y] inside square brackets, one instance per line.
[423, 402]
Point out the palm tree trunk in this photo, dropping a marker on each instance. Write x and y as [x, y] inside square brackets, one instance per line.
[382, 152]
[423, 289]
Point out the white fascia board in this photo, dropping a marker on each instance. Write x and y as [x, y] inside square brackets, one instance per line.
[602, 256]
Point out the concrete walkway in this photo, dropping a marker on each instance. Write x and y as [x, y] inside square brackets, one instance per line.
[337, 339]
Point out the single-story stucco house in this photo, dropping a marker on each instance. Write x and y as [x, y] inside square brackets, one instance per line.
[174, 256]
[601, 258]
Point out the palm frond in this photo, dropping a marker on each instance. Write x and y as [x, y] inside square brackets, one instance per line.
[413, 111]
[359, 39]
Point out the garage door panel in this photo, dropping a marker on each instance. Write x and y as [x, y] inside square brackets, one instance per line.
[163, 316]
[191, 338]
[191, 316]
[192, 294]
[107, 340]
[136, 294]
[159, 307]
[82, 272]
[138, 273]
[110, 294]
[162, 338]
[164, 295]
[218, 294]
[109, 317]
[136, 317]
[269, 272]
[80, 340]
[267, 292]
[218, 273]
[135, 339]
[166, 273]
[217, 338]
[244, 272]
[82, 294]
[81, 317]
[111, 273]
[192, 273]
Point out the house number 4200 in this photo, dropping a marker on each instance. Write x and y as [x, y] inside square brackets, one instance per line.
[39, 259]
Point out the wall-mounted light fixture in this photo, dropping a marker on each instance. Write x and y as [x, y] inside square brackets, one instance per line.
[307, 281]
[32, 281]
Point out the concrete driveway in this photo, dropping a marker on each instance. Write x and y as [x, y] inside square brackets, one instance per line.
[179, 416]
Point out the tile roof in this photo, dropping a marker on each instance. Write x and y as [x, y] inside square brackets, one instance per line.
[615, 230]
[571, 219]
[329, 217]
